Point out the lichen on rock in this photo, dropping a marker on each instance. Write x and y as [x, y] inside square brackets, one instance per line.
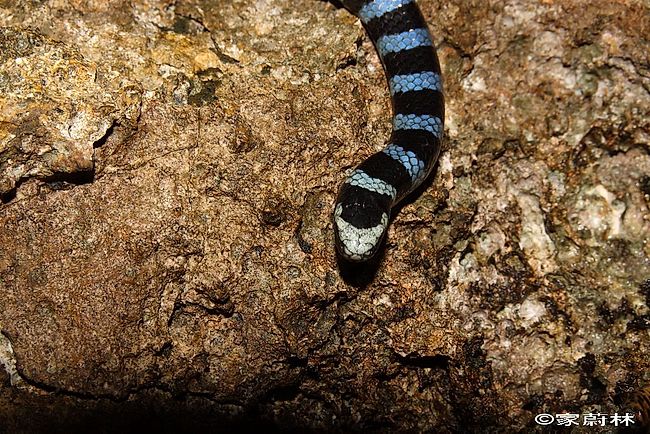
[54, 109]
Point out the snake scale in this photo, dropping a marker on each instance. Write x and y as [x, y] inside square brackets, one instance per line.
[364, 203]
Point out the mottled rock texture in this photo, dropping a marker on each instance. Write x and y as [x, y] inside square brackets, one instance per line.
[168, 171]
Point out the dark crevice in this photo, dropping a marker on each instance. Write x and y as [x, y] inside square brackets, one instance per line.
[60, 180]
[304, 245]
[535, 402]
[286, 392]
[347, 62]
[10, 195]
[644, 290]
[165, 350]
[183, 23]
[59, 391]
[295, 362]
[191, 19]
[223, 56]
[57, 181]
[103, 139]
[341, 297]
[438, 361]
[144, 410]
[644, 184]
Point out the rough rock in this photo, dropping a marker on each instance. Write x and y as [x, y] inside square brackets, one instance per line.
[168, 171]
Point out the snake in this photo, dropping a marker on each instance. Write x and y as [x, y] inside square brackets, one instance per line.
[366, 198]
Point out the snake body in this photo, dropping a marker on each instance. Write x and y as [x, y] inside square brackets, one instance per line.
[363, 207]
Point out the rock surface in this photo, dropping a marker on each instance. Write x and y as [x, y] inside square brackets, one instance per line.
[168, 171]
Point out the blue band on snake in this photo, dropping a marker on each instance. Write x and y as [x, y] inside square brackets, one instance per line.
[363, 207]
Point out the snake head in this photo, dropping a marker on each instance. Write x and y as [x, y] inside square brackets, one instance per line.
[360, 228]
